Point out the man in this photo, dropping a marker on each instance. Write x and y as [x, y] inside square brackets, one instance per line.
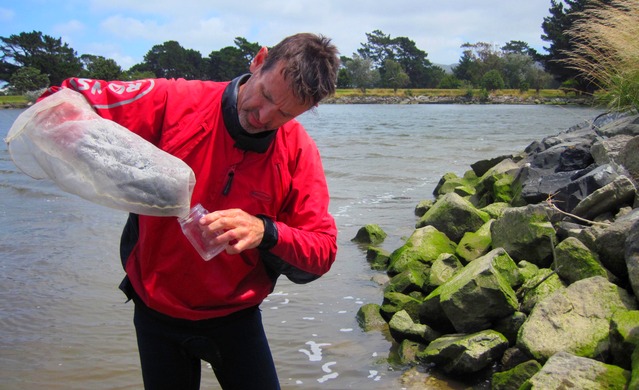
[260, 174]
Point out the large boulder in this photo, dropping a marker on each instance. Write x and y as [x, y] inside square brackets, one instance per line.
[564, 370]
[369, 318]
[610, 244]
[537, 288]
[526, 233]
[370, 234]
[394, 302]
[567, 189]
[624, 336]
[454, 216]
[609, 198]
[516, 376]
[575, 320]
[475, 244]
[631, 256]
[629, 158]
[465, 353]
[402, 327]
[574, 261]
[443, 269]
[476, 296]
[423, 246]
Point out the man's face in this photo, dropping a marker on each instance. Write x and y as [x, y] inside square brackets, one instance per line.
[265, 102]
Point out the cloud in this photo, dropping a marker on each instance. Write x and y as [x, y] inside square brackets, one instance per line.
[6, 14]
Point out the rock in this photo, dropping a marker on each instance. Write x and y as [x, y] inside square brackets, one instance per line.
[629, 158]
[451, 183]
[575, 320]
[394, 302]
[537, 288]
[567, 189]
[620, 125]
[565, 370]
[495, 210]
[370, 234]
[574, 261]
[476, 296]
[443, 269]
[423, 206]
[525, 233]
[369, 318]
[475, 244]
[606, 150]
[422, 247]
[509, 326]
[609, 198]
[482, 166]
[624, 337]
[515, 377]
[378, 258]
[610, 244]
[406, 282]
[634, 378]
[403, 327]
[496, 184]
[631, 256]
[453, 216]
[527, 270]
[513, 357]
[464, 354]
[408, 351]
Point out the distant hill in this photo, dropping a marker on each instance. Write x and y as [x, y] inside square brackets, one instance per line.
[447, 68]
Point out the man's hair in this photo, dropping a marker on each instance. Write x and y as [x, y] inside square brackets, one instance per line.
[310, 65]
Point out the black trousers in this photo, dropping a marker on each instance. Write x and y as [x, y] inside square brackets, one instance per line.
[171, 351]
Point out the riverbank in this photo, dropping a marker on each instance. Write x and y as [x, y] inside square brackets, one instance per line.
[525, 270]
[418, 96]
[449, 99]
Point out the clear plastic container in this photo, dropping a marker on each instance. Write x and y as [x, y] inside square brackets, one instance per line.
[193, 231]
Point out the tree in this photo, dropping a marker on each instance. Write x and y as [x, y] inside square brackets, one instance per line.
[229, 62]
[47, 54]
[170, 60]
[395, 77]
[492, 80]
[556, 26]
[100, 68]
[361, 73]
[28, 79]
[381, 47]
[449, 81]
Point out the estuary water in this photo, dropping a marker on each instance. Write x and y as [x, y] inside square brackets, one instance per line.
[65, 325]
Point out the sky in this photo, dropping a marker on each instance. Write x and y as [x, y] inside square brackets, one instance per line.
[125, 30]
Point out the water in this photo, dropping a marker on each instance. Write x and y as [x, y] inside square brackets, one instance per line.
[65, 325]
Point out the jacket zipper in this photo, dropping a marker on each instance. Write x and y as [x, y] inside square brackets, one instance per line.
[229, 181]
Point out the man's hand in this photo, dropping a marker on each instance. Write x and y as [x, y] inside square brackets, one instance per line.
[240, 230]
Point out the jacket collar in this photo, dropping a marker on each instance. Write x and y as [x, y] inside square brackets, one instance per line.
[243, 140]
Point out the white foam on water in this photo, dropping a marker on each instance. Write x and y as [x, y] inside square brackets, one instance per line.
[315, 352]
[330, 374]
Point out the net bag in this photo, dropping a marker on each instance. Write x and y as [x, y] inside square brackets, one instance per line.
[61, 138]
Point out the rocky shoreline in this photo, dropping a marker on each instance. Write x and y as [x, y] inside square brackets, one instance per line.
[491, 99]
[523, 273]
[423, 99]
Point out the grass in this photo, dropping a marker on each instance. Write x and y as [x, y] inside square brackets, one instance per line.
[13, 99]
[382, 92]
[607, 51]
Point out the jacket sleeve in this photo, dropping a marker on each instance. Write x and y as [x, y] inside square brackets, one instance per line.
[137, 105]
[307, 234]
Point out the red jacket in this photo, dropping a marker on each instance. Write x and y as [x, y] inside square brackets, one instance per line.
[286, 183]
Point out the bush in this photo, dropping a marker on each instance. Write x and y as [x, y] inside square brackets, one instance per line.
[607, 51]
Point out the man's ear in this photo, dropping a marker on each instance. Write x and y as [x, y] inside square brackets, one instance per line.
[258, 60]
